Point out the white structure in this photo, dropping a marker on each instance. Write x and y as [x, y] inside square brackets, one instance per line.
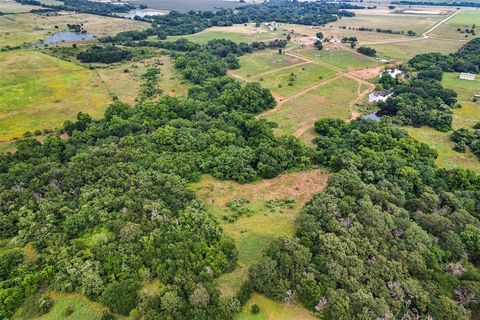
[466, 76]
[394, 72]
[382, 95]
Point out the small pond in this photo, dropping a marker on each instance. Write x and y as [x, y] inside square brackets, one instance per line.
[371, 116]
[67, 37]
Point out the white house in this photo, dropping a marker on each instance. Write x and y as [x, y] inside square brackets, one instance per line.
[466, 76]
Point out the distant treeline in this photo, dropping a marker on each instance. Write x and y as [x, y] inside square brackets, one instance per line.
[448, 4]
[379, 30]
[85, 6]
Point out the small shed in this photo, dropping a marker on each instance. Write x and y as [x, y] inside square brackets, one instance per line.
[381, 95]
[467, 76]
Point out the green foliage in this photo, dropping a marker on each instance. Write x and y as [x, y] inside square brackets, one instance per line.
[388, 236]
[367, 51]
[121, 296]
[255, 309]
[108, 54]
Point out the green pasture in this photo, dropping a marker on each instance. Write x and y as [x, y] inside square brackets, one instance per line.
[304, 76]
[264, 61]
[463, 20]
[207, 35]
[14, 7]
[341, 58]
[41, 92]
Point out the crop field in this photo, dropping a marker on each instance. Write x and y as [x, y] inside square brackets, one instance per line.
[465, 117]
[330, 99]
[268, 217]
[261, 62]
[403, 51]
[124, 80]
[38, 92]
[273, 310]
[14, 7]
[303, 77]
[341, 58]
[395, 22]
[463, 20]
[21, 29]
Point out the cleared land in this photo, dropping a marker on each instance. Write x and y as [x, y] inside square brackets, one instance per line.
[21, 29]
[330, 99]
[237, 33]
[405, 50]
[340, 58]
[14, 7]
[463, 20]
[273, 310]
[303, 76]
[465, 117]
[264, 61]
[38, 92]
[268, 216]
[125, 80]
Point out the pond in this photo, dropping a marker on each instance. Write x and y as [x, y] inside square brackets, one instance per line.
[143, 13]
[371, 116]
[67, 37]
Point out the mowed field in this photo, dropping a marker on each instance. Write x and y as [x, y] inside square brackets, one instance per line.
[330, 99]
[22, 29]
[464, 19]
[39, 92]
[465, 117]
[237, 33]
[341, 58]
[402, 51]
[264, 61]
[268, 217]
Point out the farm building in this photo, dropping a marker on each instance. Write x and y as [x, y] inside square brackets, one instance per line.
[381, 95]
[467, 76]
[394, 72]
[476, 95]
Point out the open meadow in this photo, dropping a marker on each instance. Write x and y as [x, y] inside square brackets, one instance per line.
[341, 58]
[289, 81]
[330, 99]
[265, 61]
[236, 33]
[463, 20]
[273, 310]
[465, 117]
[10, 6]
[270, 212]
[40, 92]
[24, 29]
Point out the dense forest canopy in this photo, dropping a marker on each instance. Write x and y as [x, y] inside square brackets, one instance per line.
[392, 237]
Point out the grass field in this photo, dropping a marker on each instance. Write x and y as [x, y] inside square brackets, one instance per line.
[463, 19]
[465, 117]
[253, 233]
[14, 7]
[405, 50]
[341, 58]
[328, 100]
[38, 92]
[264, 61]
[126, 85]
[395, 22]
[305, 76]
[29, 28]
[273, 310]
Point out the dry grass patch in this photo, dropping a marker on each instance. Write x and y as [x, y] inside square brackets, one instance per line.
[267, 218]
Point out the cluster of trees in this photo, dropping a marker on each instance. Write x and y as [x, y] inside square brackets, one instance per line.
[466, 59]
[150, 88]
[464, 138]
[419, 101]
[391, 237]
[367, 51]
[379, 30]
[109, 209]
[107, 54]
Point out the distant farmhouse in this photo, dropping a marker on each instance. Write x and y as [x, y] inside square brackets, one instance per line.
[381, 95]
[467, 76]
[394, 72]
